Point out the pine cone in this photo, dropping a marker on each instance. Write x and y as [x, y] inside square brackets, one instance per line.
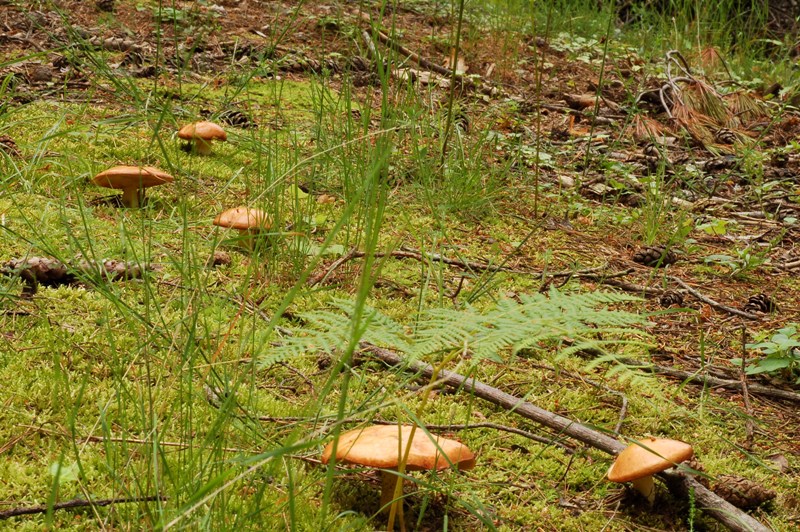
[695, 464]
[742, 492]
[8, 146]
[760, 303]
[669, 298]
[105, 5]
[654, 256]
[725, 136]
[219, 258]
[651, 149]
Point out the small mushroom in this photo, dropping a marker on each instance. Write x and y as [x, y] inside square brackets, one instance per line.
[200, 135]
[248, 221]
[382, 446]
[643, 459]
[132, 180]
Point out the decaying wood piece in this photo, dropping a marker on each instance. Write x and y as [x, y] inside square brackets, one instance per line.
[35, 271]
[707, 500]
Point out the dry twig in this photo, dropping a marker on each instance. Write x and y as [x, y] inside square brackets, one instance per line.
[748, 424]
[705, 299]
[706, 380]
[76, 503]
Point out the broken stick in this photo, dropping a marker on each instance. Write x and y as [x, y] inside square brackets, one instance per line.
[75, 503]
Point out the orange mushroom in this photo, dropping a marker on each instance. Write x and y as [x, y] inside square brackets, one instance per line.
[643, 459]
[132, 180]
[382, 446]
[200, 135]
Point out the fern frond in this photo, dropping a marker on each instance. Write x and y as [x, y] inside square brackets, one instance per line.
[582, 321]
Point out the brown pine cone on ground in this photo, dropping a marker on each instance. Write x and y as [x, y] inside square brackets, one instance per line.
[105, 5]
[741, 492]
[760, 303]
[669, 298]
[8, 146]
[655, 256]
[219, 258]
[695, 464]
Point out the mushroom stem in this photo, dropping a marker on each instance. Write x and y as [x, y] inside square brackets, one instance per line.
[646, 487]
[132, 197]
[388, 486]
[202, 147]
[247, 238]
[389, 481]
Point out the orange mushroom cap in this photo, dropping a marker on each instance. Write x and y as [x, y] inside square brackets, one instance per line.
[648, 457]
[202, 130]
[241, 218]
[382, 446]
[131, 177]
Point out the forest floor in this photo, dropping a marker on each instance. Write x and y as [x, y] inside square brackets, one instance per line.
[549, 160]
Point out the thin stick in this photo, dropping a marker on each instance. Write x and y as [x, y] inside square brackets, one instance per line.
[76, 503]
[495, 426]
[789, 265]
[409, 254]
[138, 441]
[694, 378]
[718, 508]
[628, 287]
[391, 43]
[371, 51]
[749, 430]
[623, 410]
[709, 301]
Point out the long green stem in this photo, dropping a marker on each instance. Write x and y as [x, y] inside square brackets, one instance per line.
[397, 496]
[453, 77]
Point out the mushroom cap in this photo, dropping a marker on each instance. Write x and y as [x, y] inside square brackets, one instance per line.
[202, 130]
[131, 176]
[381, 446]
[241, 218]
[648, 457]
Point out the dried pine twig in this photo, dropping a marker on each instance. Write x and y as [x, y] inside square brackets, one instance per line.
[76, 503]
[421, 61]
[495, 426]
[705, 299]
[409, 253]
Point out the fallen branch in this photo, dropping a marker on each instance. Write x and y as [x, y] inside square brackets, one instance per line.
[694, 378]
[421, 61]
[705, 299]
[410, 253]
[718, 508]
[407, 253]
[494, 426]
[626, 286]
[75, 503]
[484, 87]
